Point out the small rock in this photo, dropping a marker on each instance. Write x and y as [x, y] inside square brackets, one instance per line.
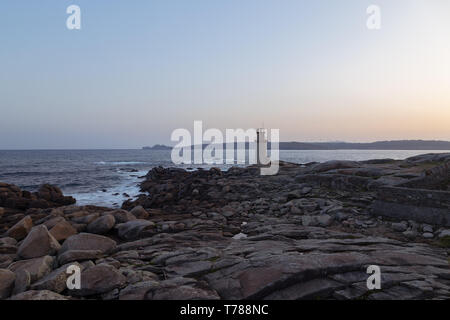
[427, 228]
[306, 190]
[341, 216]
[410, 234]
[324, 220]
[139, 212]
[428, 235]
[239, 236]
[400, 226]
[121, 216]
[228, 213]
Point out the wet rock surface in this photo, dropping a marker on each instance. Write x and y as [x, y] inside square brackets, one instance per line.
[309, 232]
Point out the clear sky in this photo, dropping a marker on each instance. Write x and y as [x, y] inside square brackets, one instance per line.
[139, 69]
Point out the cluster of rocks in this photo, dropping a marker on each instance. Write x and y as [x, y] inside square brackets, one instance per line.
[47, 196]
[309, 232]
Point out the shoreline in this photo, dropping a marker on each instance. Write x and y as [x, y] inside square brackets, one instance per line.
[309, 232]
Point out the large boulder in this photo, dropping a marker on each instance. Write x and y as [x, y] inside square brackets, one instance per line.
[38, 243]
[37, 267]
[99, 279]
[102, 224]
[7, 279]
[88, 241]
[20, 229]
[56, 280]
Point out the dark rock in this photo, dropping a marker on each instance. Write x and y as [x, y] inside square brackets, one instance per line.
[139, 212]
[102, 225]
[131, 230]
[7, 279]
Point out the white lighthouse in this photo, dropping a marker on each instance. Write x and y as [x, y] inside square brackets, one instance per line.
[261, 147]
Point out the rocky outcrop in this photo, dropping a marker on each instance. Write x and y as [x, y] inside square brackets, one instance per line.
[47, 196]
[309, 232]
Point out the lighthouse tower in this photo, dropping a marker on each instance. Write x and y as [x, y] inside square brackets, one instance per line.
[261, 147]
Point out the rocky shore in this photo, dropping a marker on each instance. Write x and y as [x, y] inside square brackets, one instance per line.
[309, 232]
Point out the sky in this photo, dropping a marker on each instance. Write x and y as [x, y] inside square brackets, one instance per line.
[137, 70]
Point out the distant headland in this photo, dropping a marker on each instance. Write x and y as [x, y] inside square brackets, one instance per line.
[377, 145]
[157, 147]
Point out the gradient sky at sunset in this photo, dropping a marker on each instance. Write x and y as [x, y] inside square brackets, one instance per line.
[139, 69]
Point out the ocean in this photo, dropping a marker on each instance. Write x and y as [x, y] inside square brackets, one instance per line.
[108, 177]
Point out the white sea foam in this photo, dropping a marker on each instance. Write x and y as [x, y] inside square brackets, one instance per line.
[119, 163]
[113, 197]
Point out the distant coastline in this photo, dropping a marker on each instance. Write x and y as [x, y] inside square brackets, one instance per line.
[377, 145]
[157, 147]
